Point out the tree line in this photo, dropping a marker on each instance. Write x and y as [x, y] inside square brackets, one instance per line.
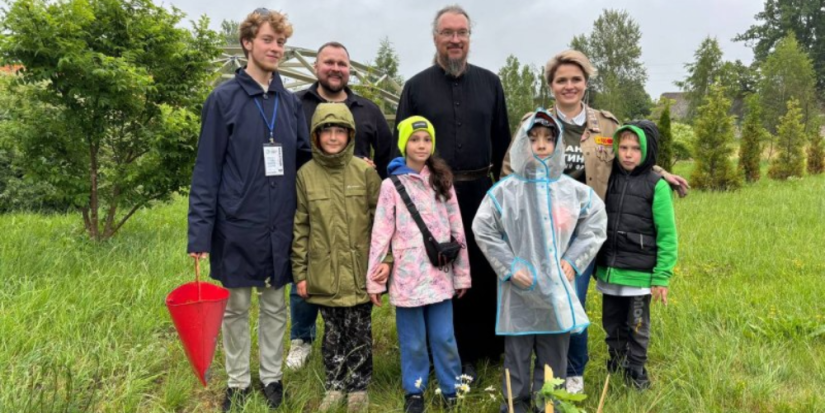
[105, 119]
[774, 104]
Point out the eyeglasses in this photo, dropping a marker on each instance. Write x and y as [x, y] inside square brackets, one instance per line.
[448, 34]
[263, 11]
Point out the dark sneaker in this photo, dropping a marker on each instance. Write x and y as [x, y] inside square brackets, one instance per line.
[413, 403]
[616, 363]
[235, 396]
[274, 393]
[450, 402]
[519, 406]
[637, 377]
[613, 365]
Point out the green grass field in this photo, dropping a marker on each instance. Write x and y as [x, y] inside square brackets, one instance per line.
[83, 327]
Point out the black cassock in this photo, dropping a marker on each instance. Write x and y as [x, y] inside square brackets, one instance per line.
[471, 133]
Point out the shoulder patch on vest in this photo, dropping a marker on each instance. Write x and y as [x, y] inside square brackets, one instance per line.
[609, 115]
[604, 140]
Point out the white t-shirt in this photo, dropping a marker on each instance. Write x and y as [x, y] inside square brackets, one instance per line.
[617, 290]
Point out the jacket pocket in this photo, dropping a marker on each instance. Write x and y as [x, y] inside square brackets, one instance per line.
[318, 194]
[645, 242]
[359, 265]
[320, 279]
[357, 205]
[319, 205]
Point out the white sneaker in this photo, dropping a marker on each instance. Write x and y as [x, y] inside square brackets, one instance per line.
[299, 351]
[574, 384]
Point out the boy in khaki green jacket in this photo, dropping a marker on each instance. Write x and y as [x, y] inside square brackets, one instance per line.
[637, 260]
[337, 195]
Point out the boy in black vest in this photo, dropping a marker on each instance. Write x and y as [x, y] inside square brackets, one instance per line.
[637, 260]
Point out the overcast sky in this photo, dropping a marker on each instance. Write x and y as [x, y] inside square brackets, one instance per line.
[533, 32]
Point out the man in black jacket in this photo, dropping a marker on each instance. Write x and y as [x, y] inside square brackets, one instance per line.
[373, 138]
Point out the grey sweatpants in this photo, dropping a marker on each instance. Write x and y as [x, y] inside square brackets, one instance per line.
[236, 337]
[626, 322]
[550, 349]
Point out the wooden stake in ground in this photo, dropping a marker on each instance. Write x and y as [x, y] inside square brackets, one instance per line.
[548, 376]
[604, 394]
[509, 391]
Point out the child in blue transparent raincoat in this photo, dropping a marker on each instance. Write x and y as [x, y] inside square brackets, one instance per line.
[539, 229]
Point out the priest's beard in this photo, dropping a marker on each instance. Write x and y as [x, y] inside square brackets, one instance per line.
[453, 67]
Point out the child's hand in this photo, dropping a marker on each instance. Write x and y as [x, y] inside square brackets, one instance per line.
[381, 273]
[522, 279]
[569, 272]
[376, 299]
[460, 292]
[660, 294]
[302, 289]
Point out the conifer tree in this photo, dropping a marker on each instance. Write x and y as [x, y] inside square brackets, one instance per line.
[816, 155]
[665, 158]
[712, 146]
[790, 141]
[753, 134]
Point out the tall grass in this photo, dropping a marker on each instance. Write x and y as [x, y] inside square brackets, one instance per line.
[83, 326]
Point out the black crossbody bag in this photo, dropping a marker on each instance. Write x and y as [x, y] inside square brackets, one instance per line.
[441, 254]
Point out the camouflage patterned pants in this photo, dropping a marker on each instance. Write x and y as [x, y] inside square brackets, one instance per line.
[347, 347]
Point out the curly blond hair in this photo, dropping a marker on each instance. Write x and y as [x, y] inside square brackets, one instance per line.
[249, 27]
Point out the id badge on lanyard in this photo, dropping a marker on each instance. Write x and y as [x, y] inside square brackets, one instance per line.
[273, 159]
[273, 152]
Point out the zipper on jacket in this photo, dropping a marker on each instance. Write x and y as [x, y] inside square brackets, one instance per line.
[616, 228]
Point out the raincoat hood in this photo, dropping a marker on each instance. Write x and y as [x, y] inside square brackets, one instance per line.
[335, 114]
[522, 159]
[648, 135]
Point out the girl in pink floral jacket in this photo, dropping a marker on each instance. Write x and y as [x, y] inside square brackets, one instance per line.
[421, 292]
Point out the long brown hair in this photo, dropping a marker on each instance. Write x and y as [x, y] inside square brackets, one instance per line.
[441, 177]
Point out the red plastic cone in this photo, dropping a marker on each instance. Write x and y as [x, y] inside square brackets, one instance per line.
[197, 311]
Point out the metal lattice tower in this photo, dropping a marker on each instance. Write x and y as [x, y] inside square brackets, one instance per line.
[297, 72]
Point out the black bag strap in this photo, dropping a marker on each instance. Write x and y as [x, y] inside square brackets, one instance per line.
[399, 186]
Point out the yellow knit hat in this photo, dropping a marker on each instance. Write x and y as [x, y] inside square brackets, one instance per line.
[408, 126]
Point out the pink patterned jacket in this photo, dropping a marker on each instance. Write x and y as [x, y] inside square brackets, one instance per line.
[414, 282]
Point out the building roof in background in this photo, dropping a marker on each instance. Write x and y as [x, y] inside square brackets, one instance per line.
[10, 69]
[680, 106]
